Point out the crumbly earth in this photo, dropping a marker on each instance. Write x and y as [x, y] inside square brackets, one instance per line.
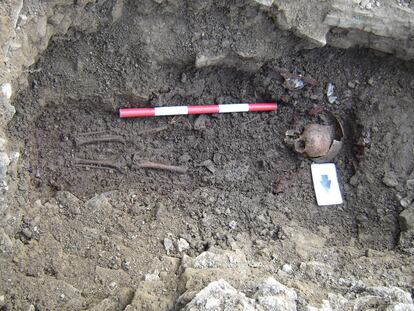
[81, 234]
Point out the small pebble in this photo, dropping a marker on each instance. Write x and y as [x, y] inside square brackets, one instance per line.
[406, 201]
[168, 245]
[201, 122]
[125, 265]
[112, 285]
[182, 245]
[390, 179]
[30, 308]
[329, 93]
[287, 268]
[410, 184]
[6, 90]
[184, 158]
[151, 277]
[351, 84]
[233, 225]
[208, 164]
[354, 180]
[183, 78]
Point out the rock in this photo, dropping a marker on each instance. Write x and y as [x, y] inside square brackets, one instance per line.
[406, 242]
[201, 122]
[233, 225]
[117, 10]
[98, 202]
[392, 296]
[354, 180]
[215, 258]
[383, 28]
[315, 270]
[406, 219]
[182, 245]
[3, 144]
[371, 81]
[206, 61]
[212, 265]
[265, 2]
[30, 307]
[168, 245]
[329, 93]
[326, 306]
[68, 203]
[390, 179]
[220, 295]
[273, 295]
[184, 158]
[7, 110]
[6, 90]
[152, 277]
[383, 298]
[394, 293]
[304, 19]
[14, 157]
[125, 265]
[406, 201]
[351, 84]
[4, 163]
[287, 268]
[208, 164]
[386, 28]
[6, 244]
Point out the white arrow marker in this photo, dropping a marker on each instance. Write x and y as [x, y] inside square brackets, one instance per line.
[325, 182]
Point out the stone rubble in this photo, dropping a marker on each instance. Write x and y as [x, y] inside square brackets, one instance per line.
[269, 294]
[182, 245]
[384, 26]
[406, 240]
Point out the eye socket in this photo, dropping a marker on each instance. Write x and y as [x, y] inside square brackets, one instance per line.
[300, 145]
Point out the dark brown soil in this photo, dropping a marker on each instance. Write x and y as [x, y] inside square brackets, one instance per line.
[235, 153]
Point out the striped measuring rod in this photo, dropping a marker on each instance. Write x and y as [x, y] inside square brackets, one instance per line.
[202, 109]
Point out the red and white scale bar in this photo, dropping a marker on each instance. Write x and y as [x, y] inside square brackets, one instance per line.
[185, 110]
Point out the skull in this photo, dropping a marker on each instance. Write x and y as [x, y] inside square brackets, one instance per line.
[315, 140]
[319, 142]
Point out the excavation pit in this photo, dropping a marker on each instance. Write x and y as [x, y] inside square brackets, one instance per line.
[78, 180]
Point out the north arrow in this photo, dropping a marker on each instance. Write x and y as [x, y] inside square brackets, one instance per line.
[326, 183]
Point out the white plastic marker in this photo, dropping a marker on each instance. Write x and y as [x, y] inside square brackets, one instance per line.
[200, 109]
[325, 182]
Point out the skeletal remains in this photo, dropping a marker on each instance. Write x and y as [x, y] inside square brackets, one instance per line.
[322, 143]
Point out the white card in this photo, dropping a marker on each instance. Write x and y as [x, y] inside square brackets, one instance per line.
[325, 182]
